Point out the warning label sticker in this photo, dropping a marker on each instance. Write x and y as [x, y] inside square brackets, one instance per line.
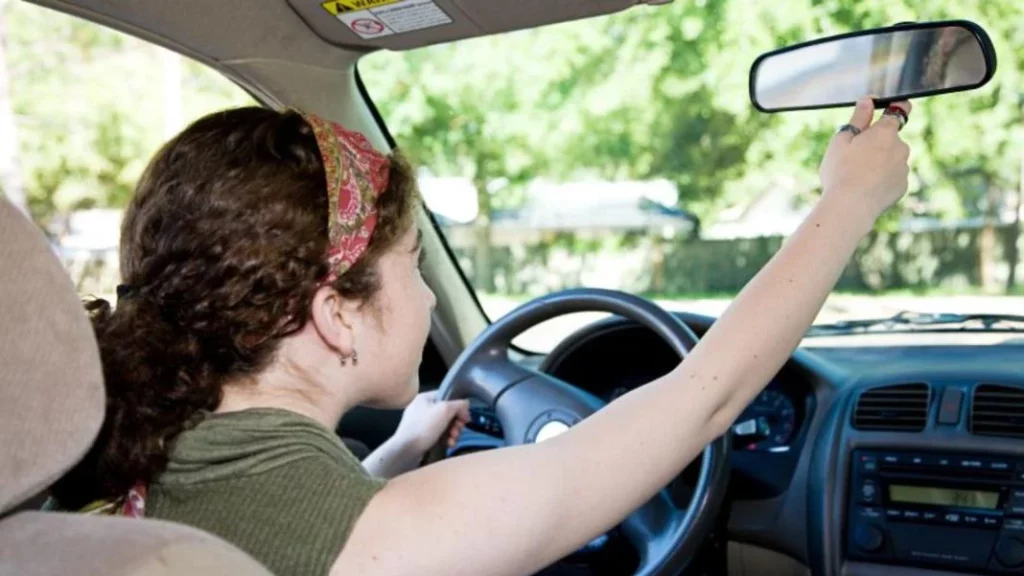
[377, 18]
[412, 15]
[336, 7]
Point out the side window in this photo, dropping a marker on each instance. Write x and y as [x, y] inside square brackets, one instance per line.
[82, 110]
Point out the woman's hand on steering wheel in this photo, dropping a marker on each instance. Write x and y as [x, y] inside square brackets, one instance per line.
[427, 420]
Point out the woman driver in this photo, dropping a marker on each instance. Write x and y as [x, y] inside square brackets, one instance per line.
[272, 283]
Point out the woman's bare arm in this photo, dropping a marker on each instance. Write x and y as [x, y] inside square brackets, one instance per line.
[515, 510]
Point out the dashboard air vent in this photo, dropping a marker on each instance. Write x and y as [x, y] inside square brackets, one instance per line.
[997, 411]
[899, 408]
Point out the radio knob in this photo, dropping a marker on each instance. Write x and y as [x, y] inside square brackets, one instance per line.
[1010, 552]
[868, 538]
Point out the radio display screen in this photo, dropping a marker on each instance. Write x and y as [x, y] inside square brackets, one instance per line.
[943, 496]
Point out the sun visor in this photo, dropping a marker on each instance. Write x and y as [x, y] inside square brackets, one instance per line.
[406, 24]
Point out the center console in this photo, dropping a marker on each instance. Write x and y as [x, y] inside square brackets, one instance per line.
[957, 511]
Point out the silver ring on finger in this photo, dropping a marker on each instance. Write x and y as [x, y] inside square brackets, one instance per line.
[848, 128]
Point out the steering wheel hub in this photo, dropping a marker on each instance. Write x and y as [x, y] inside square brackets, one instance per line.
[549, 424]
[550, 429]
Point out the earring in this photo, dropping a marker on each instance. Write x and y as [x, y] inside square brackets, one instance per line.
[354, 357]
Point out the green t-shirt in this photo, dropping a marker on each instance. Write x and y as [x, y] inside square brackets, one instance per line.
[274, 483]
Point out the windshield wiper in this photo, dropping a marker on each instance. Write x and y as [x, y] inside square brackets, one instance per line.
[919, 321]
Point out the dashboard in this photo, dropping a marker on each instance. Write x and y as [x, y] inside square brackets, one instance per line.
[799, 485]
[603, 363]
[609, 360]
[827, 476]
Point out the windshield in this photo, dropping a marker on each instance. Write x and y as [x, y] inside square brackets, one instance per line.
[623, 152]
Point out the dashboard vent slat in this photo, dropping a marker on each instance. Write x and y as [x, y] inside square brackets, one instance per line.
[997, 411]
[898, 408]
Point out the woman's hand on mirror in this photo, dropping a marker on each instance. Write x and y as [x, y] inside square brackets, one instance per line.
[868, 172]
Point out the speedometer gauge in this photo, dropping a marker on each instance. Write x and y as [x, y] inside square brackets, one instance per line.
[768, 423]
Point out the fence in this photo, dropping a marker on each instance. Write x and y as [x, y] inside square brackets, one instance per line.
[954, 259]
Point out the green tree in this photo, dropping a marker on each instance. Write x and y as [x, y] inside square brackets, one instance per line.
[654, 92]
[967, 147]
[90, 105]
[12, 182]
[611, 97]
[459, 111]
[648, 98]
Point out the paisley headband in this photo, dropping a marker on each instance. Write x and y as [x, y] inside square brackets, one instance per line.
[357, 174]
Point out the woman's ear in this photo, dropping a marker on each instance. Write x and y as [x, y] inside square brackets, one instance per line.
[335, 319]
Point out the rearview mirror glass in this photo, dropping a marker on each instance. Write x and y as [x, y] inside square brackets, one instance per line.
[896, 63]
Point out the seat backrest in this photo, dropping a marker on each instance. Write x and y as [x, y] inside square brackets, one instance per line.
[51, 385]
[51, 408]
[56, 544]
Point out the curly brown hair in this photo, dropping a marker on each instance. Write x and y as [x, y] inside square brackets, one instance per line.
[223, 245]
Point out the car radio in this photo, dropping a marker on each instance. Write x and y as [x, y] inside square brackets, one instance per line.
[958, 511]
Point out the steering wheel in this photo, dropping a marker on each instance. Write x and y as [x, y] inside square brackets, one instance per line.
[533, 406]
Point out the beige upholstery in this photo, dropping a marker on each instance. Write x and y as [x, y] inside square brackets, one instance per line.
[51, 387]
[36, 544]
[51, 407]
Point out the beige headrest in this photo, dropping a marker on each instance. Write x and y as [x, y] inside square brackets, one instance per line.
[35, 544]
[51, 382]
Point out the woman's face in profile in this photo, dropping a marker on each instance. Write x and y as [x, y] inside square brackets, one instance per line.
[404, 305]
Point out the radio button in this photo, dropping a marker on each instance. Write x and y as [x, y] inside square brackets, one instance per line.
[868, 492]
[872, 513]
[893, 513]
[867, 537]
[1010, 552]
[949, 408]
[868, 464]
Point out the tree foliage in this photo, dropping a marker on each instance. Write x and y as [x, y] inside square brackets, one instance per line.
[90, 107]
[655, 92]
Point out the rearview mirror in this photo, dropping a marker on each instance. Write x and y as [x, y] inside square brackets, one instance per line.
[895, 63]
